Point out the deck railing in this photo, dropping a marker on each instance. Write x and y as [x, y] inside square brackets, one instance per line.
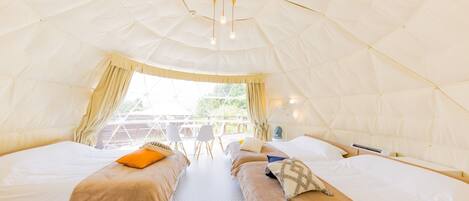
[137, 129]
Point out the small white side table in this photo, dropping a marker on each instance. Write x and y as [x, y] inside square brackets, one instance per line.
[278, 140]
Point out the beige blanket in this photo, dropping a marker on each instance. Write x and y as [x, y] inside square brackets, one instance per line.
[258, 187]
[116, 182]
[239, 157]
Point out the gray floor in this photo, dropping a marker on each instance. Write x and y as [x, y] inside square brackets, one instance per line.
[208, 180]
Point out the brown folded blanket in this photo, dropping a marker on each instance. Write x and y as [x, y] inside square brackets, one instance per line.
[156, 182]
[258, 187]
[239, 157]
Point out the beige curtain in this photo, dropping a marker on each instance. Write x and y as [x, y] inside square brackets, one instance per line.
[104, 101]
[257, 110]
[116, 79]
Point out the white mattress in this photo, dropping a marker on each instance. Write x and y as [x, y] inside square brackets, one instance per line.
[50, 173]
[373, 178]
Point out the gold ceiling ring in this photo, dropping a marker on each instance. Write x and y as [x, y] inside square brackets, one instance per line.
[194, 13]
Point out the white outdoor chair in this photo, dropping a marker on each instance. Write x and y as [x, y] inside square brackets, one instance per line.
[205, 136]
[219, 137]
[172, 133]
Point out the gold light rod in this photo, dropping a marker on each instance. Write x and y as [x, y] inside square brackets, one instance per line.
[213, 40]
[232, 33]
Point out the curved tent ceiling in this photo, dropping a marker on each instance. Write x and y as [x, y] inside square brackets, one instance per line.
[394, 74]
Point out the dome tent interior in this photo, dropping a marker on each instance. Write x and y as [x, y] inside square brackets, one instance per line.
[388, 74]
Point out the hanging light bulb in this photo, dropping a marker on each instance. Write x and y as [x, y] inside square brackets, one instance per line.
[223, 17]
[232, 33]
[213, 41]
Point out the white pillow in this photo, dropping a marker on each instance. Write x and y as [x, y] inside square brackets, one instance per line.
[252, 144]
[310, 149]
[311, 141]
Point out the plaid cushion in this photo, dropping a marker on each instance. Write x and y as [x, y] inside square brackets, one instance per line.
[296, 178]
[158, 147]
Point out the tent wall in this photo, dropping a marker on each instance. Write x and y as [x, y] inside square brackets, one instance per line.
[46, 79]
[405, 90]
[393, 74]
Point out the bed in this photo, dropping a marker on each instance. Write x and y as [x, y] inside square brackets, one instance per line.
[305, 148]
[53, 172]
[359, 178]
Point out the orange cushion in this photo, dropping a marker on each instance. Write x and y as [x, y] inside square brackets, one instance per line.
[140, 158]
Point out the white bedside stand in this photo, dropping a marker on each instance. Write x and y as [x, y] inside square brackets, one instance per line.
[278, 140]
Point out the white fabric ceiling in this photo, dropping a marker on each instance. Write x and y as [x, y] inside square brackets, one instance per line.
[389, 73]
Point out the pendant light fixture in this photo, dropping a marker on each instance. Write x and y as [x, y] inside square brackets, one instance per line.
[232, 33]
[223, 17]
[213, 40]
[223, 20]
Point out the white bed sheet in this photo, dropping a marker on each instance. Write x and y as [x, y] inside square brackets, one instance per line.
[373, 178]
[51, 172]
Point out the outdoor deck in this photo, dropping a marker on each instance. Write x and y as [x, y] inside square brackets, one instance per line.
[135, 130]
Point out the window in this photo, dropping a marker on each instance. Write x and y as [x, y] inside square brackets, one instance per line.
[153, 102]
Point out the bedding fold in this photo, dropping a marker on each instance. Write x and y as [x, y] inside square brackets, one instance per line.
[239, 157]
[156, 182]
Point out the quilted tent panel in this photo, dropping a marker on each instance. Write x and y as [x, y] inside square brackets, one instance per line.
[392, 74]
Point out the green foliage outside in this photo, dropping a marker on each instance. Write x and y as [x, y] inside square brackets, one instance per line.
[226, 100]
